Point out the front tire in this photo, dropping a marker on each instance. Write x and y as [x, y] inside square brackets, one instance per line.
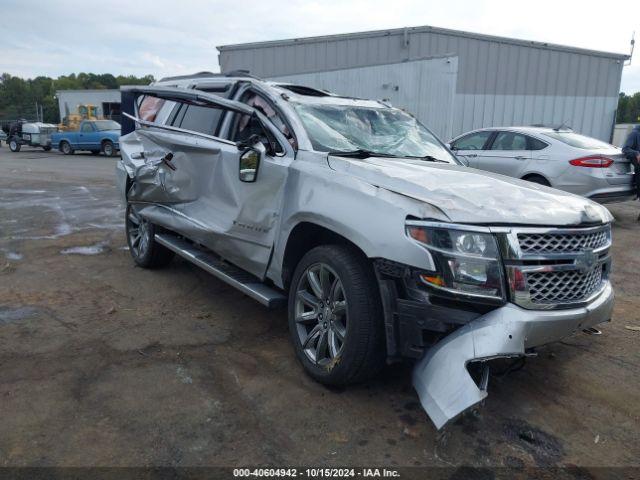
[140, 239]
[335, 316]
[108, 149]
[14, 146]
[65, 147]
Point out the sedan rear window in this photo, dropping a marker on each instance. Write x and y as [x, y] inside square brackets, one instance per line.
[578, 141]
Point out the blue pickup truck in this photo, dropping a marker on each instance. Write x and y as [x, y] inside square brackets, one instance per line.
[94, 135]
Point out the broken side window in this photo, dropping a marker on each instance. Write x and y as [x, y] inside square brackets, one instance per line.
[149, 107]
[263, 106]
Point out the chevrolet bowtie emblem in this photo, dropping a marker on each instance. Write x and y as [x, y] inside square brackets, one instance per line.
[586, 260]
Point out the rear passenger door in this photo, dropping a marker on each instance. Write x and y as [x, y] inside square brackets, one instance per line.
[172, 167]
[507, 154]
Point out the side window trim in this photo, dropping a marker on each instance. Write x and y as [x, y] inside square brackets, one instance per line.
[171, 128]
[530, 140]
[486, 143]
[492, 138]
[499, 132]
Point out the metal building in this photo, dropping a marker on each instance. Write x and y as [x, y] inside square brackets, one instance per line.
[107, 102]
[453, 81]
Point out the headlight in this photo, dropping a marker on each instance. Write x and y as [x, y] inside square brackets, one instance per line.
[467, 262]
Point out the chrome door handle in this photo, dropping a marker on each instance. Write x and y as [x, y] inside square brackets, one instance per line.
[471, 155]
[520, 157]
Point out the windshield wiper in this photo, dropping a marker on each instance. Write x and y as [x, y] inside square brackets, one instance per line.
[430, 158]
[360, 153]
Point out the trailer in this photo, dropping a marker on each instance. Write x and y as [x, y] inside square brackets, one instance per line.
[33, 134]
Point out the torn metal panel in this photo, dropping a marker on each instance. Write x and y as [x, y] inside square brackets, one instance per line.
[189, 183]
[441, 378]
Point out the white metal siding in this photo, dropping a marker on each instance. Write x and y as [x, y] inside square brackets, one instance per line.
[426, 88]
[500, 81]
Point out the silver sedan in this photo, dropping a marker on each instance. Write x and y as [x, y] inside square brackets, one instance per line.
[558, 158]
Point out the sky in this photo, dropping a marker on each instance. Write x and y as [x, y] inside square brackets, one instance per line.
[172, 37]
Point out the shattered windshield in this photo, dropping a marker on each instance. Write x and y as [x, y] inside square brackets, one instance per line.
[384, 131]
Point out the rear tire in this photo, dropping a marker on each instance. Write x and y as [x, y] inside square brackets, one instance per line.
[47, 148]
[539, 179]
[65, 147]
[108, 149]
[339, 339]
[14, 146]
[140, 238]
[95, 152]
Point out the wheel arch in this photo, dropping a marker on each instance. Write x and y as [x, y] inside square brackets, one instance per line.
[305, 236]
[529, 175]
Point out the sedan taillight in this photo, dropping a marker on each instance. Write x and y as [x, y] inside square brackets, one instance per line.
[593, 161]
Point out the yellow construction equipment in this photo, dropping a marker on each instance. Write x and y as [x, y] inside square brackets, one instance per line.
[83, 112]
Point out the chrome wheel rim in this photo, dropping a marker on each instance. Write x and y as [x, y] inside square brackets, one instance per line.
[321, 316]
[138, 233]
[66, 148]
[13, 145]
[108, 150]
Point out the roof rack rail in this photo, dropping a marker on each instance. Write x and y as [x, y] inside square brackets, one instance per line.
[193, 75]
[240, 73]
[233, 73]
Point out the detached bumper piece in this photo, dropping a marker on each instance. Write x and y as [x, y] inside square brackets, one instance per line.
[441, 379]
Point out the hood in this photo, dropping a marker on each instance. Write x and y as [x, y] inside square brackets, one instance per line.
[467, 195]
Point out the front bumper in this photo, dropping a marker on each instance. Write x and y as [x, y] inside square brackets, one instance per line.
[441, 378]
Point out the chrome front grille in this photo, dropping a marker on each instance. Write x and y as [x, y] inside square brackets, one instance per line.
[554, 267]
[563, 287]
[561, 242]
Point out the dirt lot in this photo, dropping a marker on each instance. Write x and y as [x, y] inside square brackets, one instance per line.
[103, 363]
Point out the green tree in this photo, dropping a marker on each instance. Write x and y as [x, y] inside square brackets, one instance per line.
[628, 108]
[18, 96]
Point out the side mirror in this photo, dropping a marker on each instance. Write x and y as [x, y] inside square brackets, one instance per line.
[249, 165]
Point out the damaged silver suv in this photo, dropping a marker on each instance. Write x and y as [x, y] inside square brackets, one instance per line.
[358, 219]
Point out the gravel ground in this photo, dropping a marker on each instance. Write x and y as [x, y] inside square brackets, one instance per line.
[103, 363]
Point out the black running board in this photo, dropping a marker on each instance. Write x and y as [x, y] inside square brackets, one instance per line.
[247, 283]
